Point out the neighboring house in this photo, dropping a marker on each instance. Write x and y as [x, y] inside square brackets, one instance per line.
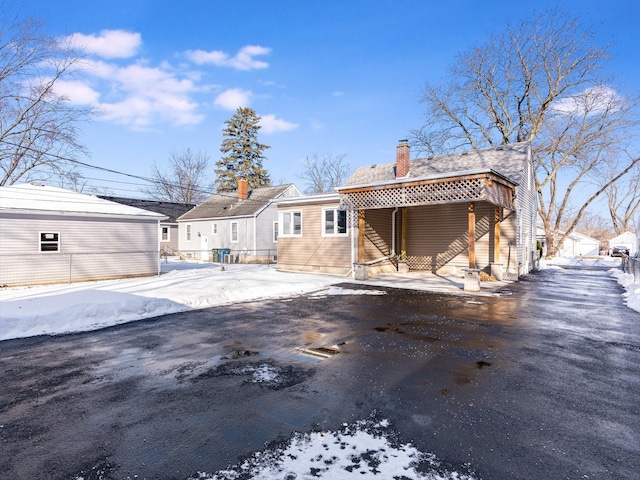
[626, 239]
[168, 227]
[475, 209]
[51, 235]
[314, 235]
[579, 245]
[244, 223]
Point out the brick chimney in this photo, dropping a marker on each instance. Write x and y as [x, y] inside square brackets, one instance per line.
[243, 189]
[402, 159]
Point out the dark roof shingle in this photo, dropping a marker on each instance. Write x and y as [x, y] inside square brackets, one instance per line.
[229, 205]
[506, 160]
[170, 209]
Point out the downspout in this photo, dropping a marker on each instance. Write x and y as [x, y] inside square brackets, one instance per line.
[393, 241]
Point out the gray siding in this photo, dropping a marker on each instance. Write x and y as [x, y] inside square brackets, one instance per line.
[90, 248]
[527, 211]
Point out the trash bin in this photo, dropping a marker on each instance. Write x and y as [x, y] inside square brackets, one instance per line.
[223, 252]
[215, 255]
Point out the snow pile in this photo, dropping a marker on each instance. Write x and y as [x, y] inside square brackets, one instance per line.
[65, 308]
[633, 289]
[361, 450]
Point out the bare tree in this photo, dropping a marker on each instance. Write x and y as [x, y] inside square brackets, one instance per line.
[38, 126]
[185, 179]
[323, 174]
[538, 81]
[624, 202]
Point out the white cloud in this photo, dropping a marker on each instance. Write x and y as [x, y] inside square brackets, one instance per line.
[317, 125]
[139, 95]
[233, 98]
[243, 60]
[337, 94]
[271, 124]
[109, 44]
[590, 101]
[77, 92]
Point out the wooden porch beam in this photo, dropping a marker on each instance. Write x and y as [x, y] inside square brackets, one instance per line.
[403, 235]
[361, 227]
[496, 234]
[472, 235]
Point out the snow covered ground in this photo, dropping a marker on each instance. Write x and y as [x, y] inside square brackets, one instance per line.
[67, 308]
[362, 449]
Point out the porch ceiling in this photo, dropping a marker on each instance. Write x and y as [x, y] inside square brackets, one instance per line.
[459, 189]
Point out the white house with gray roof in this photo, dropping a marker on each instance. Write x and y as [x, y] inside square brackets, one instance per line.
[475, 209]
[242, 224]
[52, 235]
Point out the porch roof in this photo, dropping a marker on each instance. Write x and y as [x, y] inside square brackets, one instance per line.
[455, 187]
[490, 174]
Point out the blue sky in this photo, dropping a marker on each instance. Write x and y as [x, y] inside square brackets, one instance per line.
[325, 76]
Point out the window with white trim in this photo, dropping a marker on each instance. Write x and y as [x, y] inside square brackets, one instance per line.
[234, 232]
[165, 235]
[49, 241]
[290, 223]
[334, 222]
[214, 229]
[188, 227]
[275, 232]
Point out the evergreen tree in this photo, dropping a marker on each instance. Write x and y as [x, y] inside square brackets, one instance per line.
[242, 153]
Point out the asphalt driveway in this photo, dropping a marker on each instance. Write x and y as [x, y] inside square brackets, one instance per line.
[540, 382]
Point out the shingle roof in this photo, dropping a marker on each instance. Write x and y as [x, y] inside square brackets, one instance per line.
[229, 205]
[169, 209]
[506, 160]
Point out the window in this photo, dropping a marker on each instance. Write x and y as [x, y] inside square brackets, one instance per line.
[49, 242]
[164, 234]
[214, 229]
[234, 232]
[291, 223]
[188, 232]
[275, 232]
[334, 221]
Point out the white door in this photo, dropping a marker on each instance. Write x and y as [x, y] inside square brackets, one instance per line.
[205, 254]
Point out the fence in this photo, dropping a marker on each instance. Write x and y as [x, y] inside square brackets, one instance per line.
[631, 265]
[226, 255]
[54, 267]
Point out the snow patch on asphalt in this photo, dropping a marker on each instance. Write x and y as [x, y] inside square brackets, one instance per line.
[364, 449]
[633, 289]
[333, 290]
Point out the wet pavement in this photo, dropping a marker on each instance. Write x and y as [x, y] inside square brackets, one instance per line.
[541, 381]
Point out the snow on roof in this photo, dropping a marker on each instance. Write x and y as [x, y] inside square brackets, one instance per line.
[42, 198]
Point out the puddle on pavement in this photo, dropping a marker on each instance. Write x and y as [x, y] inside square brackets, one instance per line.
[320, 353]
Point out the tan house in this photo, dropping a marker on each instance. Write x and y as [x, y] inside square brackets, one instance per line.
[314, 235]
[474, 209]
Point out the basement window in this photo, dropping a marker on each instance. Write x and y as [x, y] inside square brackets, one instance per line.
[49, 242]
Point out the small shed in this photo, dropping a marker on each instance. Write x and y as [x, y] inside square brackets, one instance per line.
[579, 245]
[626, 239]
[52, 235]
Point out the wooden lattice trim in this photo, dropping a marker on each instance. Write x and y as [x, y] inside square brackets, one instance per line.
[459, 190]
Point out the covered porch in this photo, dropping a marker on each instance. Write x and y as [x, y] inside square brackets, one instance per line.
[437, 224]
